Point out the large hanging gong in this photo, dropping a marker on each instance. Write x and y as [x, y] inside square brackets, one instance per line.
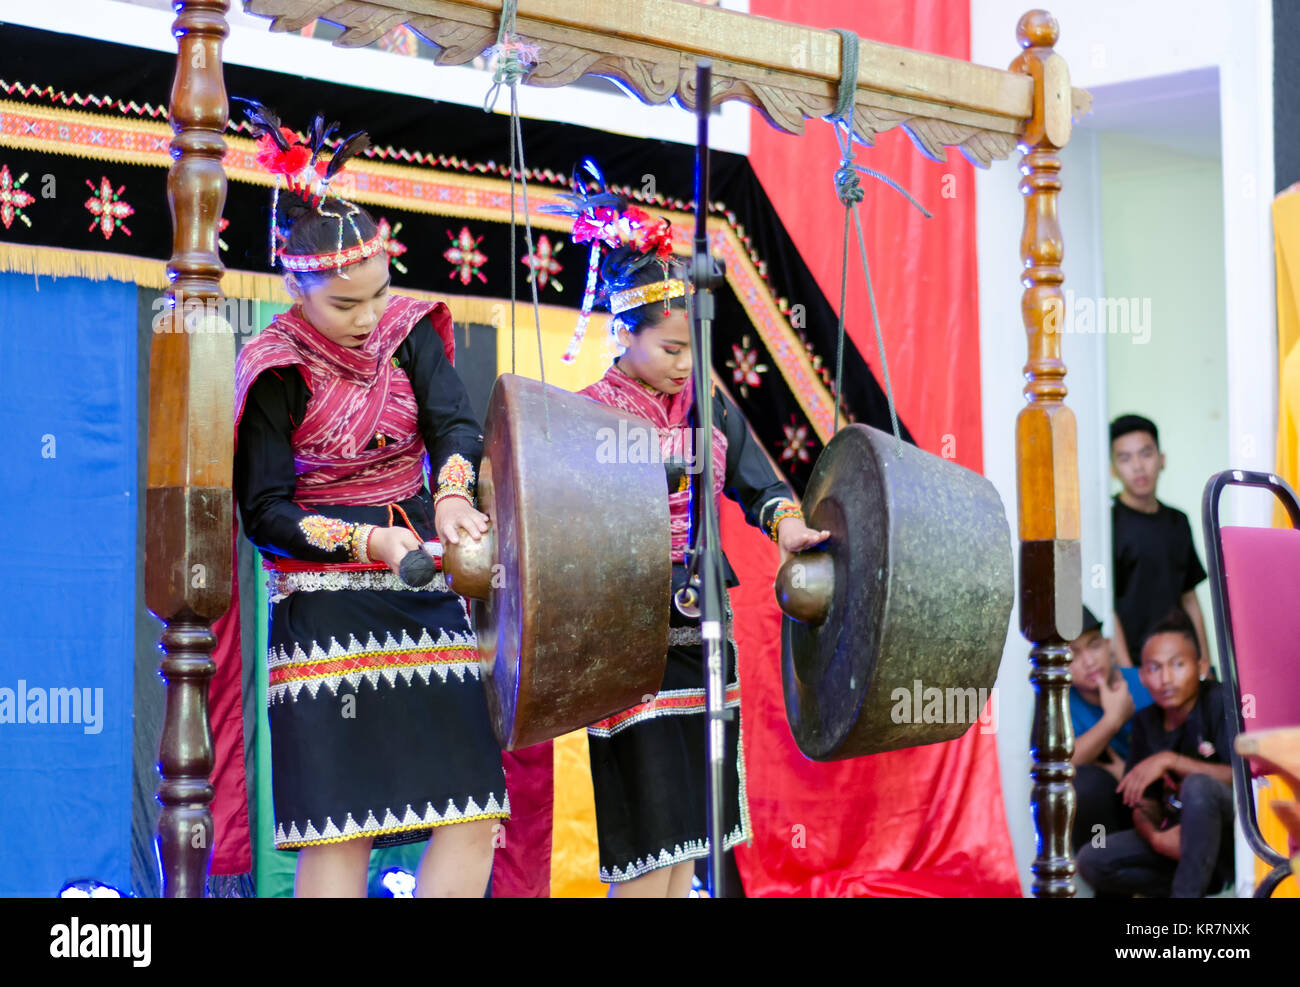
[570, 587]
[900, 618]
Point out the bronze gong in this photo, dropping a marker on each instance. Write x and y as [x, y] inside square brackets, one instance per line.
[910, 594]
[570, 586]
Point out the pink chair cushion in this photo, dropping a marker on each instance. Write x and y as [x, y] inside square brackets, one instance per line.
[1262, 572]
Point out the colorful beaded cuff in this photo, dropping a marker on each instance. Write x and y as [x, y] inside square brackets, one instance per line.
[330, 534]
[784, 509]
[455, 479]
[335, 258]
[361, 542]
[657, 291]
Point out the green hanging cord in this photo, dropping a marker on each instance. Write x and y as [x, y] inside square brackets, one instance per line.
[512, 60]
[509, 68]
[518, 138]
[848, 189]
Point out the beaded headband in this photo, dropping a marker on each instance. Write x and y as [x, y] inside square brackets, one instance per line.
[336, 258]
[656, 291]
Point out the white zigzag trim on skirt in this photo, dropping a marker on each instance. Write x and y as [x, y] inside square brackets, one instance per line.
[681, 852]
[309, 832]
[278, 656]
[280, 584]
[654, 711]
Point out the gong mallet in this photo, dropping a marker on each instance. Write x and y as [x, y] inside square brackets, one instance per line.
[417, 568]
[703, 586]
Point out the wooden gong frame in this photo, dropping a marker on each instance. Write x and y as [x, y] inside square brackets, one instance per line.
[789, 73]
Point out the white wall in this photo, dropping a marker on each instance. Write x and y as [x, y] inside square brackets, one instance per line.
[252, 43]
[1107, 42]
[1174, 372]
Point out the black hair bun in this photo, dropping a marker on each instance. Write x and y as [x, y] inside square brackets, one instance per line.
[294, 207]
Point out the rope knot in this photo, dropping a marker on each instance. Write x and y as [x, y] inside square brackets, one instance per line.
[511, 60]
[848, 188]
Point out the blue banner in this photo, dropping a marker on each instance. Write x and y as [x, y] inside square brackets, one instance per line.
[68, 426]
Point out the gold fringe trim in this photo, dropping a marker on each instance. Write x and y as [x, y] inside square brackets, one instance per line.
[55, 262]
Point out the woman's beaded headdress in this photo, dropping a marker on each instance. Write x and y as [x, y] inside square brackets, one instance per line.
[603, 218]
[300, 171]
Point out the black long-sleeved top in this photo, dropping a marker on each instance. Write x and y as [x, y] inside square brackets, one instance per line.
[750, 479]
[265, 478]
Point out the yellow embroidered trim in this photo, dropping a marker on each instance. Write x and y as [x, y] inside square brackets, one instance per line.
[396, 829]
[455, 479]
[326, 533]
[416, 189]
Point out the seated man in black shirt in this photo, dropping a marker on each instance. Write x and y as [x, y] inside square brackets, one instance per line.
[1155, 563]
[1177, 781]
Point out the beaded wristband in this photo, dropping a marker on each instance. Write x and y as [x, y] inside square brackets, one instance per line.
[446, 493]
[361, 542]
[784, 509]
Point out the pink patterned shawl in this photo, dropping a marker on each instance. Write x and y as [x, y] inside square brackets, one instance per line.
[354, 394]
[670, 414]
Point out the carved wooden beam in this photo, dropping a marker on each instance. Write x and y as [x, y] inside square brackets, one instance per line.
[1047, 471]
[789, 72]
[191, 451]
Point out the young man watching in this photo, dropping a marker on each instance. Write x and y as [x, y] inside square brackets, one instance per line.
[1156, 567]
[1103, 699]
[1177, 781]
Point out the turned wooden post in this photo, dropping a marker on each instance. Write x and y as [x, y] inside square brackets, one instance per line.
[1047, 473]
[191, 450]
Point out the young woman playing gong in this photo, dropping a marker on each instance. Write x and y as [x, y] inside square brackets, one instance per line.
[379, 729]
[648, 763]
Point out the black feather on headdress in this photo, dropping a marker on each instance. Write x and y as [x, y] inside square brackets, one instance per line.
[320, 134]
[263, 120]
[350, 148]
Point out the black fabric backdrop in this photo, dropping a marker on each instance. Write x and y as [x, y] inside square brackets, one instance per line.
[74, 64]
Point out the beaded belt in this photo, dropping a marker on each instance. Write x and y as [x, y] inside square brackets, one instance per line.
[286, 576]
[690, 634]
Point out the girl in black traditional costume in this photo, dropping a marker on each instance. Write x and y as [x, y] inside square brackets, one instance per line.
[379, 729]
[648, 763]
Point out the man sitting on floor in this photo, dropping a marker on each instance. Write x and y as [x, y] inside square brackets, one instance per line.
[1178, 781]
[1103, 699]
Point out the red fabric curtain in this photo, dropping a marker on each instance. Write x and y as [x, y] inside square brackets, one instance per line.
[923, 270]
[232, 851]
[927, 821]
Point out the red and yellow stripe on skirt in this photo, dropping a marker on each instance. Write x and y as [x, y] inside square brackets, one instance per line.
[451, 654]
[670, 702]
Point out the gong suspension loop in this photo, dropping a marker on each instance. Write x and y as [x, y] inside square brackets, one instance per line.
[848, 189]
[512, 60]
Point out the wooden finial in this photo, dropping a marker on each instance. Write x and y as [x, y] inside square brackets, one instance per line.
[1037, 29]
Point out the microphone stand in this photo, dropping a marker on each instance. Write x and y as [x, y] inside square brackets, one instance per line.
[704, 592]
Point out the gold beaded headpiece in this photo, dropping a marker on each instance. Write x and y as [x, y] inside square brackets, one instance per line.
[645, 294]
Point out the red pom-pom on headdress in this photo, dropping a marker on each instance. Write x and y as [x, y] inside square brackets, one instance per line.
[602, 218]
[287, 162]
